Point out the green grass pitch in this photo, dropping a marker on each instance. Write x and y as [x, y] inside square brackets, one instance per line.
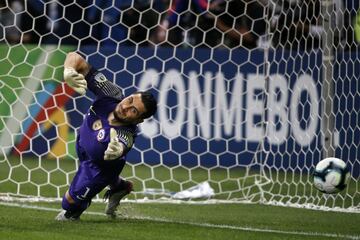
[177, 221]
[154, 220]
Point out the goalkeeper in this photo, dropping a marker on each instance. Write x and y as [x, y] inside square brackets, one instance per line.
[104, 138]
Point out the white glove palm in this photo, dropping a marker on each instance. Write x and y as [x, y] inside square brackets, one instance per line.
[75, 80]
[115, 149]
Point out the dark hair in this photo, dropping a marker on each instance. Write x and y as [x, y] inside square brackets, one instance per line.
[149, 102]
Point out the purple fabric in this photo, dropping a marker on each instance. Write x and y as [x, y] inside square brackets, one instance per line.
[94, 173]
[90, 179]
[101, 86]
[92, 142]
[77, 207]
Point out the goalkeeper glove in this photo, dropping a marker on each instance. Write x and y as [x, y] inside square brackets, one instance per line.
[75, 80]
[115, 149]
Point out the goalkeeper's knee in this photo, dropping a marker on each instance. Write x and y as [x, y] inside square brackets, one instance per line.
[74, 208]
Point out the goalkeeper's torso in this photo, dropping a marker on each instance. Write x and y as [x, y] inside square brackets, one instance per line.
[94, 133]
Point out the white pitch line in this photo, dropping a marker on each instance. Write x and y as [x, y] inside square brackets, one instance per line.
[206, 225]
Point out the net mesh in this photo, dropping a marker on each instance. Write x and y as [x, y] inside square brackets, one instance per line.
[252, 94]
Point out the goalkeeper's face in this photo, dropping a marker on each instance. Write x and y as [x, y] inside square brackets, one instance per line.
[130, 110]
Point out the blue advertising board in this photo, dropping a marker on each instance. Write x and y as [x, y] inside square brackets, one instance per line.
[212, 106]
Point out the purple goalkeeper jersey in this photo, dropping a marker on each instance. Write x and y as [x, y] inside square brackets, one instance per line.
[94, 173]
[94, 133]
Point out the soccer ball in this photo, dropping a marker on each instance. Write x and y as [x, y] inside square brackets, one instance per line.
[331, 175]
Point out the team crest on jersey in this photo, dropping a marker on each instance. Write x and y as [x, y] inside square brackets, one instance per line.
[101, 134]
[97, 125]
[100, 77]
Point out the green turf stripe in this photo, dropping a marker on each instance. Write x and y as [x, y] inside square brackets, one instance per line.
[199, 224]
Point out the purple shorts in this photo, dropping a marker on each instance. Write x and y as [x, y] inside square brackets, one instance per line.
[93, 176]
[89, 180]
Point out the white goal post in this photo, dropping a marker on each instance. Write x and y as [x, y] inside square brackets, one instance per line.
[252, 94]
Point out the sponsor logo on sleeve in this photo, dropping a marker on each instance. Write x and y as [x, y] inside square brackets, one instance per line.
[100, 78]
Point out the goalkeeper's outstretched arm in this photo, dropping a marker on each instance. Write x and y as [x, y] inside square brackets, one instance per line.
[80, 76]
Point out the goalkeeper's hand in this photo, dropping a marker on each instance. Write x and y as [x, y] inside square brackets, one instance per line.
[115, 149]
[75, 80]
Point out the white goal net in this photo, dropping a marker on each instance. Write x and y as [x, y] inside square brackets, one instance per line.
[252, 94]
